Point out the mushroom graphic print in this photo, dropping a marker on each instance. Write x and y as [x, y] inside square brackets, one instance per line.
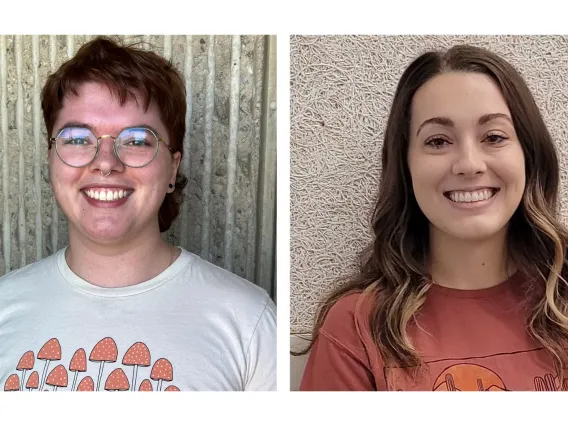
[172, 388]
[57, 378]
[104, 351]
[50, 351]
[33, 381]
[117, 381]
[137, 355]
[86, 385]
[78, 363]
[27, 362]
[145, 386]
[12, 384]
[162, 370]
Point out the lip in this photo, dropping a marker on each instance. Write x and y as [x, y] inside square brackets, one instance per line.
[472, 188]
[105, 185]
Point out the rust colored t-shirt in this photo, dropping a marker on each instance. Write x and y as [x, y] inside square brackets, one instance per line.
[468, 340]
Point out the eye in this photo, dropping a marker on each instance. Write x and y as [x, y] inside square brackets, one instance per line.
[76, 141]
[437, 142]
[495, 138]
[136, 142]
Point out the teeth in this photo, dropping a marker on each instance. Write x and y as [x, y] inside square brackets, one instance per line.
[107, 195]
[471, 197]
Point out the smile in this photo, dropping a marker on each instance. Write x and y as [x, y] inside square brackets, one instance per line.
[471, 196]
[107, 194]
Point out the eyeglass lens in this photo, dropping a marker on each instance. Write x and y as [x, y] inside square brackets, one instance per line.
[77, 146]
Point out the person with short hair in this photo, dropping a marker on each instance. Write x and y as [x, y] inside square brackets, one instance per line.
[120, 308]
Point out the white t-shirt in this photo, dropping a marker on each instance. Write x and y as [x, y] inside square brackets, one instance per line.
[193, 327]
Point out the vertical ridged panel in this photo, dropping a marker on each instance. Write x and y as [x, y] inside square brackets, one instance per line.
[55, 208]
[266, 204]
[206, 187]
[38, 148]
[168, 47]
[187, 145]
[232, 154]
[22, 147]
[6, 230]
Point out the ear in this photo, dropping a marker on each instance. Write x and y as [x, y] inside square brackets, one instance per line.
[176, 159]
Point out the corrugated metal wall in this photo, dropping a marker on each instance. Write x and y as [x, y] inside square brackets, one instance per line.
[228, 216]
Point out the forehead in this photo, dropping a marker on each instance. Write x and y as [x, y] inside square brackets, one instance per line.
[461, 96]
[95, 104]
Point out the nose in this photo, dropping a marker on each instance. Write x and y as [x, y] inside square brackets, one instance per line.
[106, 159]
[470, 160]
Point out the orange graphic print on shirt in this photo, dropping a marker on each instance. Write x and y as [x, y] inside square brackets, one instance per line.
[495, 372]
[104, 352]
[468, 377]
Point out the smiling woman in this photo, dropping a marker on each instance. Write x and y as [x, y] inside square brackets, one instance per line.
[464, 284]
[116, 120]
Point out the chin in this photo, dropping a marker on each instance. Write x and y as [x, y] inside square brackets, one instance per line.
[105, 231]
[474, 231]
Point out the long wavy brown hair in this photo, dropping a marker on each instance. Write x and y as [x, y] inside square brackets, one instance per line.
[394, 270]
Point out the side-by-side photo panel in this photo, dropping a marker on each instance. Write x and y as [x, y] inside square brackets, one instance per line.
[428, 213]
[137, 210]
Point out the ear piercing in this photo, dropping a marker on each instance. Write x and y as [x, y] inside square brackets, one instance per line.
[171, 186]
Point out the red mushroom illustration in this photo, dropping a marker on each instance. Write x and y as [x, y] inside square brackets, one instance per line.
[78, 363]
[162, 370]
[86, 385]
[57, 378]
[145, 386]
[12, 384]
[117, 381]
[137, 355]
[50, 351]
[104, 351]
[33, 381]
[172, 388]
[26, 363]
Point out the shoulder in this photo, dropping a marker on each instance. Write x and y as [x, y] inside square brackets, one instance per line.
[347, 320]
[32, 273]
[218, 284]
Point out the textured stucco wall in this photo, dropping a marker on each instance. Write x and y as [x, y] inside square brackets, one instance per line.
[225, 80]
[341, 90]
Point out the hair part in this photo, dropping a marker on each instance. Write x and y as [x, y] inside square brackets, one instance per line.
[394, 271]
[130, 73]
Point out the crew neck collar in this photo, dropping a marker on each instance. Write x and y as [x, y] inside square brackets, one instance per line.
[182, 262]
[485, 293]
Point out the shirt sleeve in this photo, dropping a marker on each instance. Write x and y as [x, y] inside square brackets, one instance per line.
[338, 360]
[261, 356]
[331, 367]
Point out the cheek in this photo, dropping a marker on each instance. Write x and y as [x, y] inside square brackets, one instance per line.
[426, 176]
[511, 169]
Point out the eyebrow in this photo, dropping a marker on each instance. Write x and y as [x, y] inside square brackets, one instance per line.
[92, 129]
[445, 121]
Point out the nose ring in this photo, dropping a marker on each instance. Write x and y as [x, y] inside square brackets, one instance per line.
[106, 174]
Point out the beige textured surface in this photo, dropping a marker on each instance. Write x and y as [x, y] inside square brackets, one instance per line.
[341, 90]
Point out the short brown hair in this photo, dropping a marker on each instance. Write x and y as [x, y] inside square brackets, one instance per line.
[127, 71]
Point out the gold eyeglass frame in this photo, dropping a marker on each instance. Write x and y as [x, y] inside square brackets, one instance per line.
[114, 138]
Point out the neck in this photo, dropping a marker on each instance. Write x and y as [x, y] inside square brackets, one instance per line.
[469, 265]
[120, 264]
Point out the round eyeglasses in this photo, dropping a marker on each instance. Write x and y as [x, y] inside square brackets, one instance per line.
[134, 147]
